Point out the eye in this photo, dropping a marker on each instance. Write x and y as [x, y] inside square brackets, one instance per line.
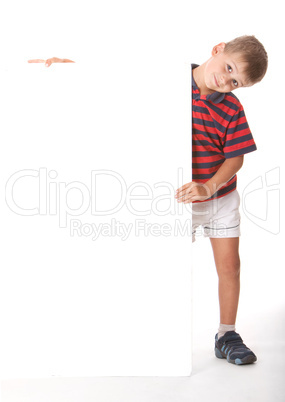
[235, 83]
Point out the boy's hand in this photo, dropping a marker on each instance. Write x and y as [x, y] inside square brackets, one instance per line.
[202, 191]
[193, 192]
[48, 62]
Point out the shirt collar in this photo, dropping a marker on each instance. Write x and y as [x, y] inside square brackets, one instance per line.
[215, 97]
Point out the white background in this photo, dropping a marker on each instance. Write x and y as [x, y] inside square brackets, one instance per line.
[35, 29]
[72, 305]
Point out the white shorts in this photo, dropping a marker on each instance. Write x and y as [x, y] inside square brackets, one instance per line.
[218, 218]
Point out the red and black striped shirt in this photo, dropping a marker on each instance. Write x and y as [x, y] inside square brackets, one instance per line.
[219, 131]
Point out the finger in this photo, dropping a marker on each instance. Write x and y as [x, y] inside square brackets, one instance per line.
[179, 192]
[183, 187]
[184, 198]
[188, 199]
[52, 60]
[196, 197]
[36, 61]
[179, 195]
[191, 196]
[186, 190]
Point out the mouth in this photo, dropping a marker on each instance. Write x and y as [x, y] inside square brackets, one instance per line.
[216, 82]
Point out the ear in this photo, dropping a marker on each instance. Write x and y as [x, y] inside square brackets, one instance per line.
[218, 48]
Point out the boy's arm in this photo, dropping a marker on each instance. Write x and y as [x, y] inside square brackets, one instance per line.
[199, 192]
[228, 169]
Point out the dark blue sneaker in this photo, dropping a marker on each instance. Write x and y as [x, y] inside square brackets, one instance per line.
[231, 347]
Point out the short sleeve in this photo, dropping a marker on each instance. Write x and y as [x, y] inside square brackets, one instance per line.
[238, 138]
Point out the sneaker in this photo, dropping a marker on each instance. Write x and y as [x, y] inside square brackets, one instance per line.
[231, 347]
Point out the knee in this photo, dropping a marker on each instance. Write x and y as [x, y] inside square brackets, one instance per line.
[229, 267]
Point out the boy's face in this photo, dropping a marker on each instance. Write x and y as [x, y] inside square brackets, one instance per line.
[225, 72]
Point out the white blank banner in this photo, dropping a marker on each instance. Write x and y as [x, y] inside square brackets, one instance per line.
[96, 258]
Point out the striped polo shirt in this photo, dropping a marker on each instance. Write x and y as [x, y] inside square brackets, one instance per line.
[219, 131]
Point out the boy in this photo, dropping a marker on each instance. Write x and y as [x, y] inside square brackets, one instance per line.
[221, 137]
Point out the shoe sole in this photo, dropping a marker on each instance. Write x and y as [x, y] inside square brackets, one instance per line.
[246, 360]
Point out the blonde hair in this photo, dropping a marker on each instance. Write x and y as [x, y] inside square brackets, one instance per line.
[253, 53]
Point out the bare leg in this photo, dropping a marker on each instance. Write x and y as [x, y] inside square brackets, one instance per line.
[228, 268]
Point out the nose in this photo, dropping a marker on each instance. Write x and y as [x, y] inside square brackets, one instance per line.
[225, 80]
